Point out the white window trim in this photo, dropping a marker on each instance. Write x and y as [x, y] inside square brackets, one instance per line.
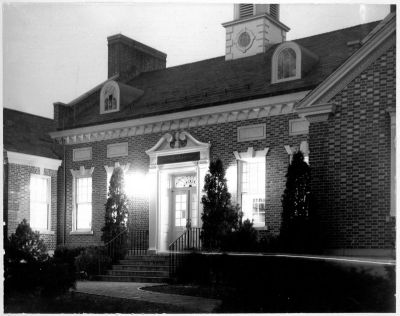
[275, 57]
[303, 148]
[117, 96]
[48, 229]
[76, 174]
[249, 155]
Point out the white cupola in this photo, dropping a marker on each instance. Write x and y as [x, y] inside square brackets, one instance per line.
[255, 27]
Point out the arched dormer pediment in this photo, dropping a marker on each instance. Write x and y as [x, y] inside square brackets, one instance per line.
[290, 61]
[179, 143]
[115, 94]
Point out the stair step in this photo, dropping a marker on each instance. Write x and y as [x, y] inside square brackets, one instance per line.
[144, 262]
[137, 267]
[142, 279]
[138, 273]
[147, 257]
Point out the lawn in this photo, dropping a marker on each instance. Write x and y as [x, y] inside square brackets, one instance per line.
[82, 303]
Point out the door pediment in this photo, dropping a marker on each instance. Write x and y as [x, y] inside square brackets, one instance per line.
[177, 144]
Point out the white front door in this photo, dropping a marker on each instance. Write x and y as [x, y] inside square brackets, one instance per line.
[184, 208]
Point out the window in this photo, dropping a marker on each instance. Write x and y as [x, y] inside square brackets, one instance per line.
[109, 98]
[82, 200]
[83, 203]
[286, 62]
[252, 189]
[40, 202]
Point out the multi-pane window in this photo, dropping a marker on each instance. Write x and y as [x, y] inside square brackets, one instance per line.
[286, 64]
[252, 185]
[83, 218]
[110, 101]
[39, 202]
[181, 209]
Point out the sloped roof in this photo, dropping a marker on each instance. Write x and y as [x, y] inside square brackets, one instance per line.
[28, 134]
[216, 81]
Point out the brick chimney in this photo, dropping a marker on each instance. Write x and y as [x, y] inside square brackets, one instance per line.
[127, 57]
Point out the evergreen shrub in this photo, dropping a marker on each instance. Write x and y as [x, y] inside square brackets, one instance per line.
[116, 214]
[220, 217]
[28, 267]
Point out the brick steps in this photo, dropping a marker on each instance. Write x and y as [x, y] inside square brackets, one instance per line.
[138, 267]
[141, 268]
[141, 279]
[138, 273]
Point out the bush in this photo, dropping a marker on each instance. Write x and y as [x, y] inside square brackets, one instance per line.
[28, 268]
[219, 216]
[269, 243]
[25, 245]
[298, 231]
[245, 238]
[93, 261]
[67, 254]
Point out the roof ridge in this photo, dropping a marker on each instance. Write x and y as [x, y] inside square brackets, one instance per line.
[297, 39]
[27, 113]
[338, 30]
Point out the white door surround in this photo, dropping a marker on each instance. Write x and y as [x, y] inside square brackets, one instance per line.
[174, 154]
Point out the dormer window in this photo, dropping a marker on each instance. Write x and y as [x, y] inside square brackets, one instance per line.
[109, 98]
[286, 63]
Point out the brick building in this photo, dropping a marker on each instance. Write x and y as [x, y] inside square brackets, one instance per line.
[31, 164]
[331, 95]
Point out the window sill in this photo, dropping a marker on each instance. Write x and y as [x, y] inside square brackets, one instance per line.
[46, 232]
[81, 232]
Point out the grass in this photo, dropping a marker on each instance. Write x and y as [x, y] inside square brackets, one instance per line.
[82, 303]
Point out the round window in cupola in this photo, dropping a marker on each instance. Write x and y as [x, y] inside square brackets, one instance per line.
[245, 39]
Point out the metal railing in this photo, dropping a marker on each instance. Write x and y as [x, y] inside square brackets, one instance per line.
[138, 242]
[188, 242]
[128, 242]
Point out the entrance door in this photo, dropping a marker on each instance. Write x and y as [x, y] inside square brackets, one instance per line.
[184, 210]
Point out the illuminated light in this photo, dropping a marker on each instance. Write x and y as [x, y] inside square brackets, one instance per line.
[136, 184]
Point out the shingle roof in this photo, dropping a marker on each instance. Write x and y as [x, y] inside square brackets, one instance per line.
[28, 134]
[216, 81]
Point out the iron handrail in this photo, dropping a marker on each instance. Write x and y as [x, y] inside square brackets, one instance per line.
[187, 242]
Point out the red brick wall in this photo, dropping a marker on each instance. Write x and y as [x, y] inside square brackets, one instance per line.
[350, 160]
[19, 199]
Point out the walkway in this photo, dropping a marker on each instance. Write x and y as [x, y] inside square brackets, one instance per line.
[130, 290]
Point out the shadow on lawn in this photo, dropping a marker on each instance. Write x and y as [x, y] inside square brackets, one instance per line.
[82, 303]
[276, 284]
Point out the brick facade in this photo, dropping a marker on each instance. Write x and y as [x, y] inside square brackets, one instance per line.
[18, 207]
[350, 160]
[349, 157]
[223, 139]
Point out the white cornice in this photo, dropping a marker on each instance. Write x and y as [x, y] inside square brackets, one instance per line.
[353, 66]
[32, 160]
[276, 105]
